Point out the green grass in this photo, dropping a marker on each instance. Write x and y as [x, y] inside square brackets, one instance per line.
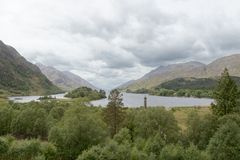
[181, 114]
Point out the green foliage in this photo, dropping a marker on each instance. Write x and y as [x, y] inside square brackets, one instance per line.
[192, 153]
[86, 92]
[201, 129]
[152, 121]
[31, 122]
[112, 151]
[225, 95]
[12, 149]
[6, 116]
[154, 145]
[114, 114]
[225, 144]
[3, 146]
[172, 152]
[24, 149]
[123, 136]
[78, 130]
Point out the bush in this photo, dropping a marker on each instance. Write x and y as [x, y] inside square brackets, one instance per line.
[225, 143]
[30, 123]
[148, 123]
[78, 130]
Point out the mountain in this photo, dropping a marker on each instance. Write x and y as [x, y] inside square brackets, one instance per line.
[20, 77]
[166, 73]
[189, 69]
[126, 84]
[231, 62]
[64, 79]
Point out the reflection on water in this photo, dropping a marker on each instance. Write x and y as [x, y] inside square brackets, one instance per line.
[137, 100]
[25, 99]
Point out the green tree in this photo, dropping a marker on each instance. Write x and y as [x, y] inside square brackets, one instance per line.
[225, 95]
[152, 121]
[172, 152]
[6, 116]
[192, 153]
[30, 123]
[225, 144]
[3, 147]
[114, 113]
[79, 129]
[24, 149]
[154, 145]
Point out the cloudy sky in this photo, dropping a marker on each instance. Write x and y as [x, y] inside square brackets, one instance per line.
[109, 42]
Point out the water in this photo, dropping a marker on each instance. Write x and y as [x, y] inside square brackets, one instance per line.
[137, 100]
[133, 100]
[25, 99]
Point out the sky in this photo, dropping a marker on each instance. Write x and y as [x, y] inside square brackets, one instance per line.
[109, 42]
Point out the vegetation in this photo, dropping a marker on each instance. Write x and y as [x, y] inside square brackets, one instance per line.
[46, 98]
[185, 87]
[114, 114]
[86, 92]
[226, 96]
[69, 130]
[20, 77]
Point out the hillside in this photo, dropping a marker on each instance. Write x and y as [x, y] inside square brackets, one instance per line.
[20, 77]
[190, 69]
[65, 80]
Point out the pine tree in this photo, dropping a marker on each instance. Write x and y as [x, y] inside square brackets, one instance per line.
[225, 95]
[114, 113]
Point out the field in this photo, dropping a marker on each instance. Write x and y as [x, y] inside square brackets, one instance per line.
[181, 114]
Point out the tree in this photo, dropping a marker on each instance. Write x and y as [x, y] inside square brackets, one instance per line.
[6, 116]
[225, 95]
[31, 122]
[225, 144]
[172, 152]
[114, 113]
[78, 130]
[152, 121]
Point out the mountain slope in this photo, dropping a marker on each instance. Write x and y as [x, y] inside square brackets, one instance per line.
[165, 73]
[64, 79]
[232, 62]
[190, 69]
[18, 76]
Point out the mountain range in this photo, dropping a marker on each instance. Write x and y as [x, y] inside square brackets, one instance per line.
[20, 77]
[65, 80]
[183, 70]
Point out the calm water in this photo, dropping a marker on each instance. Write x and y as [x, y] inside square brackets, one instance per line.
[25, 99]
[133, 100]
[137, 100]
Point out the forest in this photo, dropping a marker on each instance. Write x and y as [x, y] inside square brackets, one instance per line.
[71, 130]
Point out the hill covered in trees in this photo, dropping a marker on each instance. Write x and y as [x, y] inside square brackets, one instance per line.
[20, 77]
[186, 87]
[85, 92]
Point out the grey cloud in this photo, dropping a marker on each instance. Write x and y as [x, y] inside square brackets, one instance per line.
[107, 40]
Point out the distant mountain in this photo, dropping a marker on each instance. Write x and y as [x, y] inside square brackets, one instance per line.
[18, 76]
[126, 84]
[232, 62]
[64, 79]
[189, 69]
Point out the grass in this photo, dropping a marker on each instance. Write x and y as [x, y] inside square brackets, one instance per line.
[181, 114]
[3, 101]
